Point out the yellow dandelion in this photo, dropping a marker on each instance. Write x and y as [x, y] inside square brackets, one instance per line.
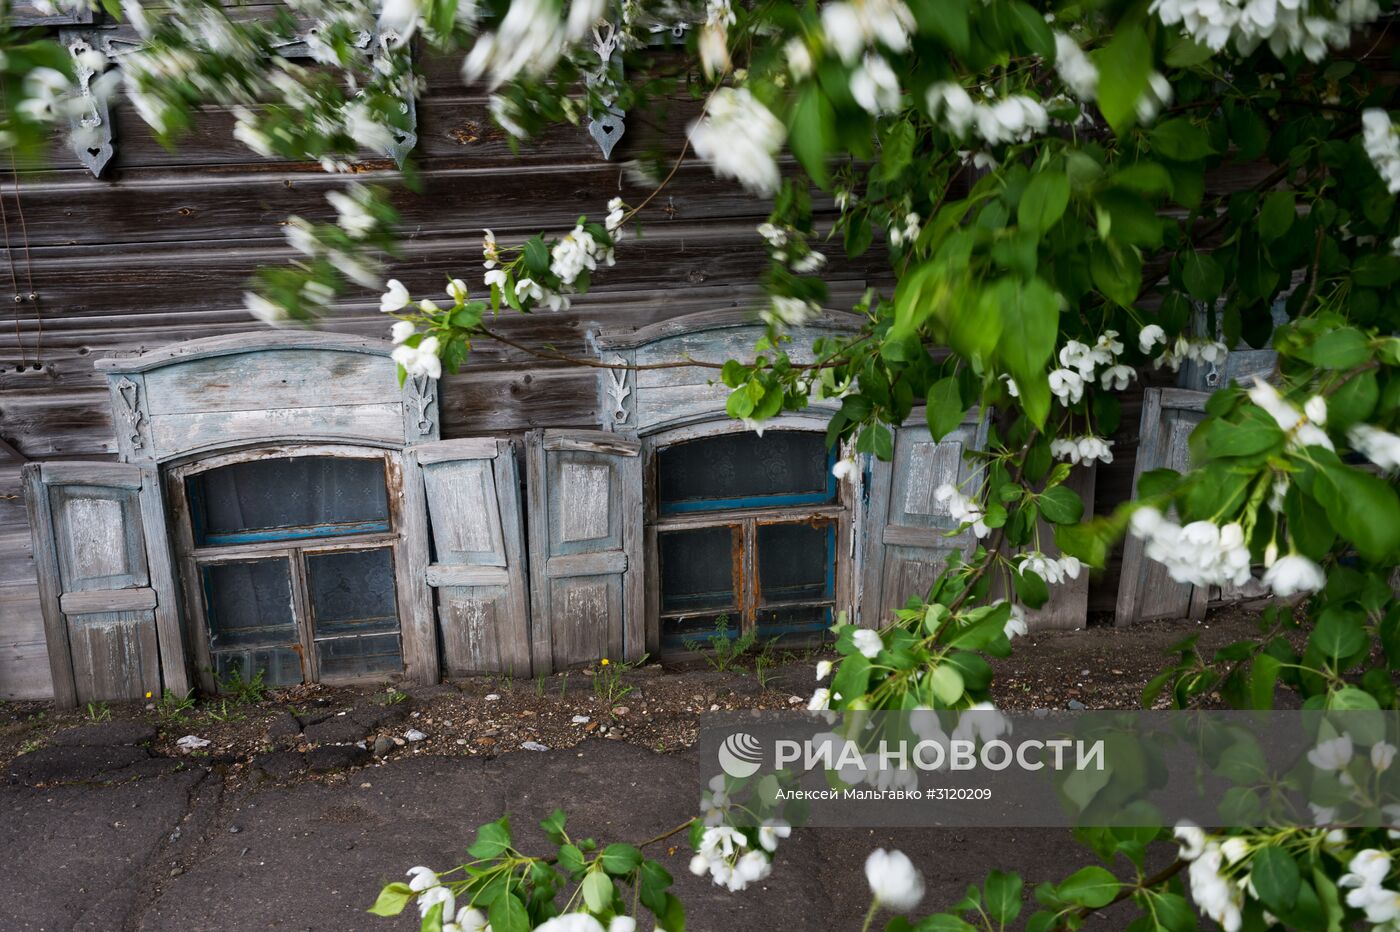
[605, 661]
[148, 694]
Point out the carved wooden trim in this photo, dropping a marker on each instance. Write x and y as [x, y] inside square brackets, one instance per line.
[90, 133]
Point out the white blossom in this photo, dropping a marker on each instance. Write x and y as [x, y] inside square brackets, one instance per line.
[1379, 446]
[401, 331]
[1302, 432]
[799, 58]
[875, 86]
[1016, 624]
[740, 138]
[435, 895]
[1199, 553]
[352, 216]
[396, 298]
[1294, 574]
[1332, 754]
[845, 468]
[1191, 840]
[790, 311]
[851, 27]
[1284, 25]
[820, 701]
[823, 669]
[1066, 385]
[1116, 378]
[264, 310]
[894, 881]
[1215, 895]
[1150, 336]
[1382, 756]
[868, 642]
[962, 509]
[420, 360]
[571, 922]
[1075, 69]
[1157, 96]
[1382, 146]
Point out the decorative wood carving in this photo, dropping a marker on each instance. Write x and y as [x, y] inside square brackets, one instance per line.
[618, 391]
[607, 126]
[420, 408]
[131, 415]
[92, 130]
[89, 131]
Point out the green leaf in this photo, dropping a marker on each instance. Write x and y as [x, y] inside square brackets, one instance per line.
[1342, 348]
[492, 839]
[598, 891]
[1263, 677]
[943, 922]
[1362, 507]
[1181, 140]
[1083, 541]
[947, 683]
[1003, 896]
[1030, 315]
[810, 130]
[1044, 201]
[1030, 23]
[1061, 505]
[1031, 589]
[896, 150]
[508, 914]
[1089, 886]
[945, 408]
[1202, 276]
[536, 255]
[392, 900]
[1255, 433]
[621, 858]
[1276, 215]
[1128, 58]
[1275, 875]
[554, 826]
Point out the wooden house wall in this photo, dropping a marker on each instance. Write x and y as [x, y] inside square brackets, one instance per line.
[159, 250]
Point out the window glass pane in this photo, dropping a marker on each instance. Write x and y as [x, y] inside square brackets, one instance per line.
[285, 499]
[249, 604]
[697, 568]
[280, 666]
[743, 470]
[795, 562]
[352, 592]
[356, 656]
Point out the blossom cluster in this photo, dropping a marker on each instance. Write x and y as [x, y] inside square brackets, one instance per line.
[1079, 364]
[1382, 146]
[1014, 118]
[1086, 449]
[1053, 570]
[529, 40]
[1182, 349]
[728, 857]
[1075, 69]
[740, 138]
[1201, 553]
[961, 508]
[1304, 428]
[1364, 882]
[1284, 25]
[790, 247]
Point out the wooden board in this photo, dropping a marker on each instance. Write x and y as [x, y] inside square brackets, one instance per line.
[478, 573]
[1145, 590]
[585, 533]
[905, 536]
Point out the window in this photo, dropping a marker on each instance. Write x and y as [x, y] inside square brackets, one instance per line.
[746, 535]
[294, 558]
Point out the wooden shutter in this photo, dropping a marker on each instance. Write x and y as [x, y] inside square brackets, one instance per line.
[585, 547]
[477, 571]
[905, 546]
[105, 583]
[1145, 590]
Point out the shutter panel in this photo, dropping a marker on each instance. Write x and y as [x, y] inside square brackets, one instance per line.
[905, 546]
[1145, 590]
[105, 583]
[472, 492]
[585, 547]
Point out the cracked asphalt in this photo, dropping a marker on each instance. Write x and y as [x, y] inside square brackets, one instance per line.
[113, 840]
